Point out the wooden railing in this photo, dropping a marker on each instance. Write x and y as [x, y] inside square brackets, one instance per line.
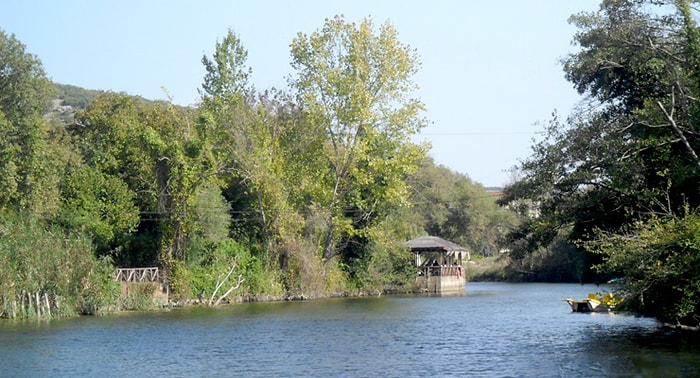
[448, 270]
[137, 275]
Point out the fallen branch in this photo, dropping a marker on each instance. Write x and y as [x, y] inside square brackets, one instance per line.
[232, 288]
[220, 282]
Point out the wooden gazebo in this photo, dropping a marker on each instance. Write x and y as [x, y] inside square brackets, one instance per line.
[440, 264]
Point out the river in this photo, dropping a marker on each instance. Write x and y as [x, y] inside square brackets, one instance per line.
[494, 330]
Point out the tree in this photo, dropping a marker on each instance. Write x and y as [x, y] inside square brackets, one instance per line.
[629, 156]
[158, 151]
[250, 132]
[102, 205]
[609, 162]
[29, 178]
[449, 205]
[226, 79]
[355, 87]
[659, 258]
[24, 89]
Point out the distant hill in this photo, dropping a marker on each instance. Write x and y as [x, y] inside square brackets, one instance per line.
[70, 98]
[75, 97]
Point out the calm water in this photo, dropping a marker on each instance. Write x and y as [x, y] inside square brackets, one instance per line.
[494, 330]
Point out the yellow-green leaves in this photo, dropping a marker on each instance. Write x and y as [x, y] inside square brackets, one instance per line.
[355, 84]
[227, 76]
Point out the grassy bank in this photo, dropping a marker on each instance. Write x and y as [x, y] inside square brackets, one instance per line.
[484, 269]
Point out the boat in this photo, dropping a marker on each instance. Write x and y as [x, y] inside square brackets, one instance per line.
[595, 303]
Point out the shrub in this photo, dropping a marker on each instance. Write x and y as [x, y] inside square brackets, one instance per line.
[47, 271]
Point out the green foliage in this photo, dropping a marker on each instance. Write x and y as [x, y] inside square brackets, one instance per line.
[226, 77]
[57, 266]
[100, 204]
[250, 135]
[354, 85]
[559, 261]
[451, 206]
[210, 266]
[610, 162]
[487, 269]
[312, 186]
[213, 215]
[29, 178]
[156, 151]
[26, 92]
[660, 261]
[392, 264]
[618, 176]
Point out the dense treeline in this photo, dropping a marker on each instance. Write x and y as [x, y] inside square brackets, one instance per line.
[302, 193]
[615, 187]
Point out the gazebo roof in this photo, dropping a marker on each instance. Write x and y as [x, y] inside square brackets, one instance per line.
[433, 244]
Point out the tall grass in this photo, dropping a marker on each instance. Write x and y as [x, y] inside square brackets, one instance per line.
[48, 272]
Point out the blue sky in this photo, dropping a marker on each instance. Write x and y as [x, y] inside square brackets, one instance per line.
[490, 69]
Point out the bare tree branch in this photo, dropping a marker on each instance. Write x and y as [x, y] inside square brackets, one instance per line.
[220, 282]
[680, 133]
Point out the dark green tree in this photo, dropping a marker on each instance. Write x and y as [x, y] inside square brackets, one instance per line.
[156, 149]
[250, 132]
[660, 259]
[102, 205]
[47, 269]
[629, 155]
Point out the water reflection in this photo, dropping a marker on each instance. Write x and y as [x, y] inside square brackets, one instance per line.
[494, 330]
[641, 351]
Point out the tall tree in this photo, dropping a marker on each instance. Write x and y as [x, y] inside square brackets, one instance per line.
[249, 133]
[355, 85]
[622, 156]
[631, 154]
[29, 179]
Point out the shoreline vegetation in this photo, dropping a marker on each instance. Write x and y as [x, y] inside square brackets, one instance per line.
[302, 193]
[314, 189]
[152, 296]
[49, 272]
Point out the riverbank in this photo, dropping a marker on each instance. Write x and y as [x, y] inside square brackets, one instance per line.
[152, 296]
[487, 269]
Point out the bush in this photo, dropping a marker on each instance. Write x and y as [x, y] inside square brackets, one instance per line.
[211, 263]
[138, 296]
[47, 271]
[659, 261]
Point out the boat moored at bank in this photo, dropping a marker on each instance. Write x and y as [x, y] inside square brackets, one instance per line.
[595, 303]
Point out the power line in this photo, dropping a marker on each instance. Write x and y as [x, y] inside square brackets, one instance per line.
[482, 133]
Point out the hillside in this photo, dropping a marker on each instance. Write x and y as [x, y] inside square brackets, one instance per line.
[70, 98]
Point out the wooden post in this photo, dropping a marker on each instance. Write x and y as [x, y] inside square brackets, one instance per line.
[29, 302]
[38, 304]
[48, 307]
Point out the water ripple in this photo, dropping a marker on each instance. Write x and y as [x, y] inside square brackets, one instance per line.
[495, 330]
